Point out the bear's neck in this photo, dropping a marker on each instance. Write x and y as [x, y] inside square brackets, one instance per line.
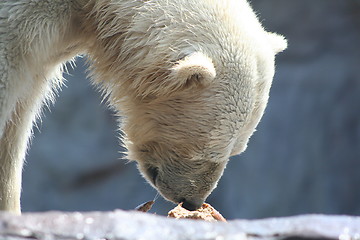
[119, 59]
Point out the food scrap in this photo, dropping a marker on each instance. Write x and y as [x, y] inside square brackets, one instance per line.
[145, 207]
[206, 212]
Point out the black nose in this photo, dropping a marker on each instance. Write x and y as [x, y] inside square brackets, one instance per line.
[192, 205]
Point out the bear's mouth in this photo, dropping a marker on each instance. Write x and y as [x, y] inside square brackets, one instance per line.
[152, 173]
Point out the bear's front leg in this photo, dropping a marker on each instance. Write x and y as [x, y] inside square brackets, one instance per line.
[12, 151]
[13, 145]
[10, 178]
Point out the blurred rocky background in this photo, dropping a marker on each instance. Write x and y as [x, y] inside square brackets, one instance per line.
[304, 158]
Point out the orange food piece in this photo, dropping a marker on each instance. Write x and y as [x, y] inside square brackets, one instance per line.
[206, 212]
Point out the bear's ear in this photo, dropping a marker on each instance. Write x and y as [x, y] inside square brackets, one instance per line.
[278, 42]
[195, 69]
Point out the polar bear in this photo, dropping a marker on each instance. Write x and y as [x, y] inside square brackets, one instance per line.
[190, 79]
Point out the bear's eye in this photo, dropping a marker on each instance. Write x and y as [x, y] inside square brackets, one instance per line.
[153, 172]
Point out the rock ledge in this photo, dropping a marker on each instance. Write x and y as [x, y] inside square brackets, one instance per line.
[124, 225]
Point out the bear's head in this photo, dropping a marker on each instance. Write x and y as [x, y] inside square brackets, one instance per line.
[191, 83]
[182, 139]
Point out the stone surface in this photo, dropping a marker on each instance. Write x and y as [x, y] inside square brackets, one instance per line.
[126, 225]
[304, 158]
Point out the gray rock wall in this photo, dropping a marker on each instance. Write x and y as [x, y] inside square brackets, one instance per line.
[304, 158]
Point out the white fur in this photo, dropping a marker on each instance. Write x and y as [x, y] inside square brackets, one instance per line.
[190, 77]
[197, 65]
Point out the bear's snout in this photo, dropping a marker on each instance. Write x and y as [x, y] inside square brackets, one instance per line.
[192, 204]
[183, 181]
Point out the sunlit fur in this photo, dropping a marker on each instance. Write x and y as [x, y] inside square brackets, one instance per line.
[190, 79]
